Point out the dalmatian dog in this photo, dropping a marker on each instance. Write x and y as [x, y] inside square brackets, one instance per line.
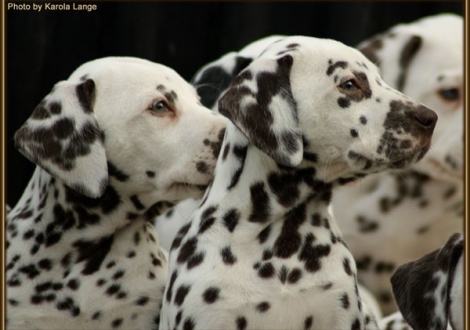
[115, 144]
[429, 290]
[394, 217]
[262, 251]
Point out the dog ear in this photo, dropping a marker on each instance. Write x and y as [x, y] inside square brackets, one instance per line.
[62, 136]
[212, 79]
[422, 287]
[392, 52]
[261, 105]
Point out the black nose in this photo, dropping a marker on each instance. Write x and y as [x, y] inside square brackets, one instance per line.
[426, 117]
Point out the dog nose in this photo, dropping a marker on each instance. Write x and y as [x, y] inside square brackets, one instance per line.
[426, 117]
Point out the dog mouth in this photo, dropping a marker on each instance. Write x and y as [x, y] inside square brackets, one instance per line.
[374, 164]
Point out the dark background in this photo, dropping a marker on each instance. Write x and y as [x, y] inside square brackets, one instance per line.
[45, 47]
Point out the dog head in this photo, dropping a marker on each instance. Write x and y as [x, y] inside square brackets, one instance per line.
[319, 101]
[429, 291]
[127, 121]
[424, 60]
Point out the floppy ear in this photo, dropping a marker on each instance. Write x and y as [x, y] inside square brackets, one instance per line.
[260, 103]
[214, 78]
[392, 52]
[63, 137]
[423, 287]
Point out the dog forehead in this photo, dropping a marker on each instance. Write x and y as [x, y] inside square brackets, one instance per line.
[133, 73]
[312, 53]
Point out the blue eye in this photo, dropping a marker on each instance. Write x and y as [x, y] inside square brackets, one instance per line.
[450, 94]
[159, 106]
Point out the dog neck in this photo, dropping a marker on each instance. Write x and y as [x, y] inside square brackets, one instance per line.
[51, 207]
[261, 191]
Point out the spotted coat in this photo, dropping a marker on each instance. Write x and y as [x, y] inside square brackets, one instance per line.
[81, 252]
[262, 251]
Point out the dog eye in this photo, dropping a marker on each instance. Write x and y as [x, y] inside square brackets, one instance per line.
[159, 106]
[449, 94]
[349, 84]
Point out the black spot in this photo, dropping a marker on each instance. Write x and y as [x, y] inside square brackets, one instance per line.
[227, 256]
[308, 323]
[187, 250]
[267, 254]
[347, 266]
[363, 120]
[45, 264]
[264, 234]
[73, 284]
[93, 253]
[211, 295]
[312, 254]
[345, 301]
[96, 316]
[188, 324]
[356, 325]
[266, 271]
[225, 152]
[142, 301]
[260, 203]
[114, 288]
[137, 203]
[344, 102]
[205, 224]
[29, 270]
[150, 174]
[363, 263]
[285, 187]
[354, 133]
[202, 167]
[332, 67]
[118, 275]
[69, 304]
[289, 240]
[240, 153]
[178, 317]
[116, 173]
[181, 294]
[294, 276]
[195, 260]
[408, 52]
[263, 307]
[384, 267]
[116, 323]
[28, 234]
[231, 219]
[241, 323]
[63, 128]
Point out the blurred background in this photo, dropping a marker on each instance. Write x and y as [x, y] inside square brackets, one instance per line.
[44, 47]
